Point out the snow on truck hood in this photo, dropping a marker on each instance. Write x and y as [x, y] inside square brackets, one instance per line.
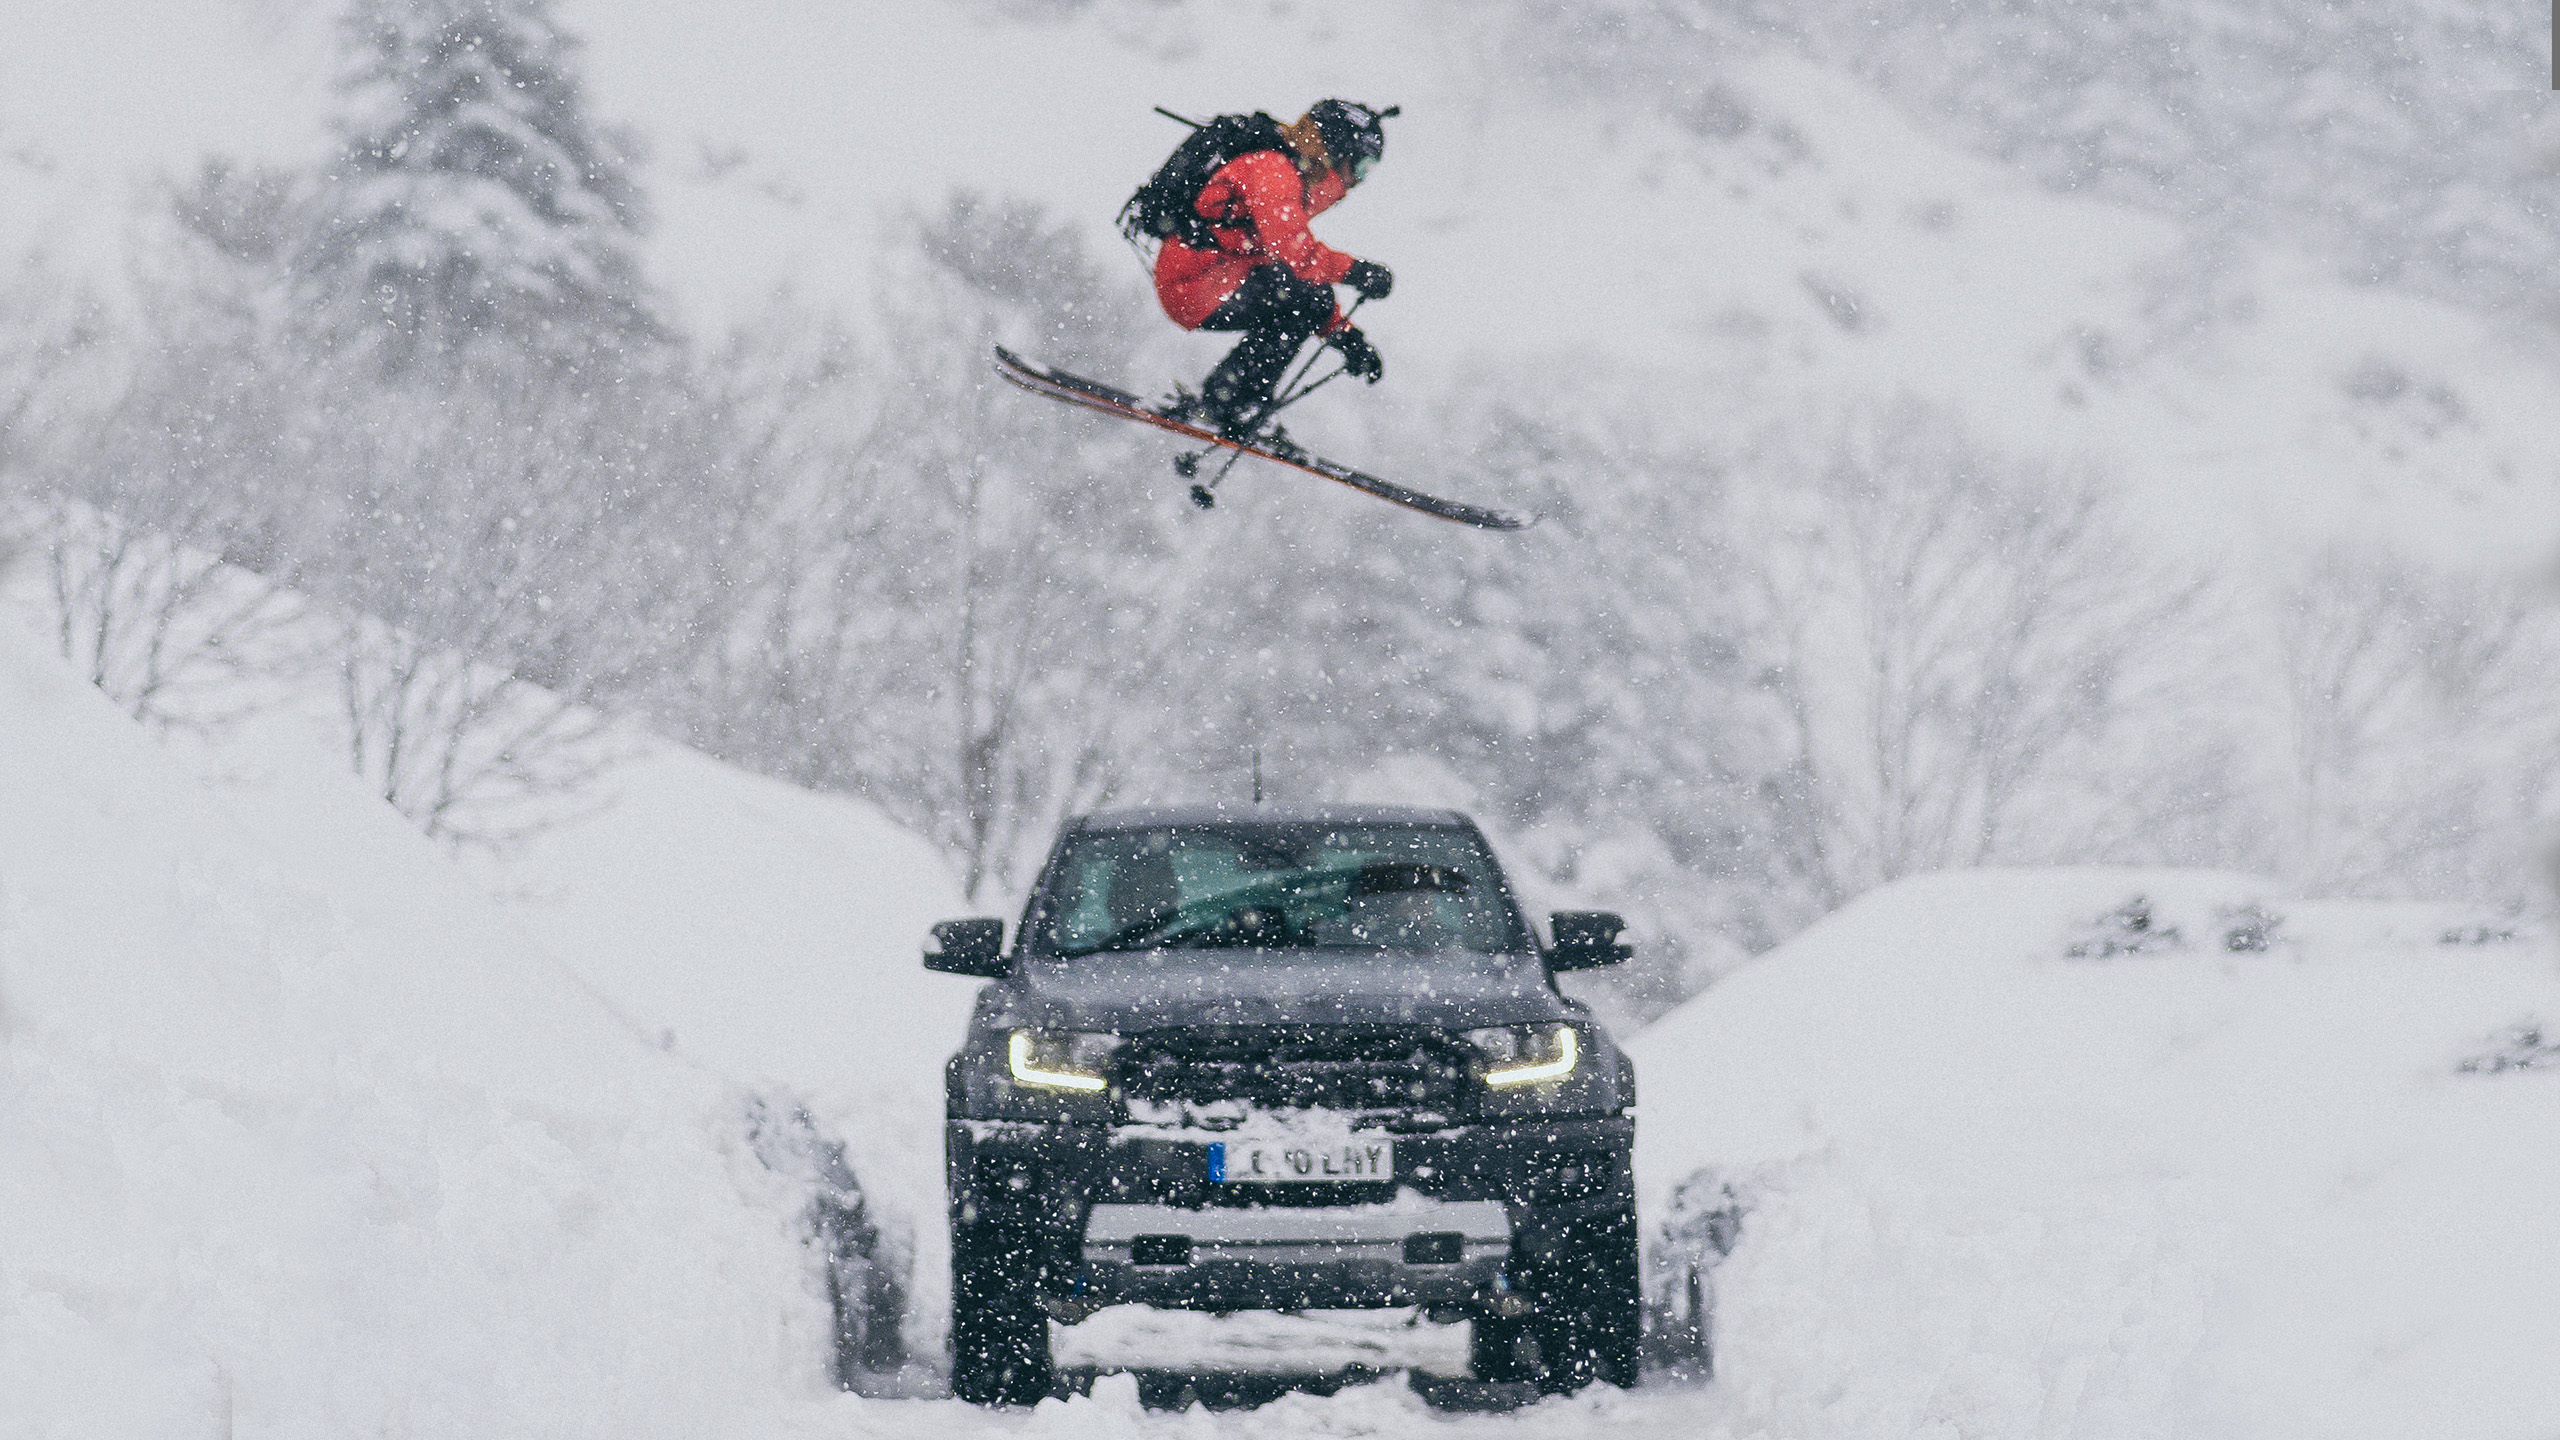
[1452, 988]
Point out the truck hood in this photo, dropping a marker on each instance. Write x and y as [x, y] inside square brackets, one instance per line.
[1159, 989]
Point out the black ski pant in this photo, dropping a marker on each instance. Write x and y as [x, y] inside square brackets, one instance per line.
[1277, 311]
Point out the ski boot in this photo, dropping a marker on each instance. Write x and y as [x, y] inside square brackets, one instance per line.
[1239, 425]
[1187, 408]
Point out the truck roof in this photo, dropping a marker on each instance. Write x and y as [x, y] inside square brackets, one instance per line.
[1147, 817]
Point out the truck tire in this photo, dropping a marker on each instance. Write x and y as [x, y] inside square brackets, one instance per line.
[999, 1334]
[1502, 1349]
[1586, 1312]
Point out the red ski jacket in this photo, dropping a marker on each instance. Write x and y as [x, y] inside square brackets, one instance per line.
[1257, 206]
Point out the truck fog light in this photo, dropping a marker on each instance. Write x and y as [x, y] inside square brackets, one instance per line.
[1445, 1247]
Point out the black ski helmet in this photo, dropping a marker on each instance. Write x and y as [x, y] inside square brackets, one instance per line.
[1352, 135]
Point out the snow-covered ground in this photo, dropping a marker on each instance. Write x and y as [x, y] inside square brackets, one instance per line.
[2175, 1191]
[2183, 1190]
[777, 936]
[301, 1136]
[304, 1135]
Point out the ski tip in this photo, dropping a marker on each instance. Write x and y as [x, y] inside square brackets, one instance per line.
[1013, 364]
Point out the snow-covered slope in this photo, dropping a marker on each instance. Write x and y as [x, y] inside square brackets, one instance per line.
[2184, 1190]
[1762, 230]
[777, 936]
[771, 931]
[301, 1136]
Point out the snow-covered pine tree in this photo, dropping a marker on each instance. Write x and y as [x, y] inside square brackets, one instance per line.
[473, 199]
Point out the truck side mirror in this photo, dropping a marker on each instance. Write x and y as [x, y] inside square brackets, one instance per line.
[1586, 940]
[967, 947]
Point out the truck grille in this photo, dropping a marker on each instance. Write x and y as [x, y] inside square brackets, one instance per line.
[1289, 1068]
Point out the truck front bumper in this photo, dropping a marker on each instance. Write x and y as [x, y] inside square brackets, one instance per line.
[1417, 1251]
[1102, 1202]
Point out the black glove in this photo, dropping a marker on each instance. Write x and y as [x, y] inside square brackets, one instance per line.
[1370, 278]
[1358, 355]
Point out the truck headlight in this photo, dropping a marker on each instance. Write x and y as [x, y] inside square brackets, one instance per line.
[1527, 1054]
[1061, 1060]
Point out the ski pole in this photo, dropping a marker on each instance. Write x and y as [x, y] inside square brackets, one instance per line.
[1169, 115]
[1321, 381]
[1273, 407]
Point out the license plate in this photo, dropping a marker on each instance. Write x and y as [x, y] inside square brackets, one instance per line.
[1274, 1162]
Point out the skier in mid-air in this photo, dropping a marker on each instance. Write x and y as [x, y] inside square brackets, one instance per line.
[1228, 215]
[1237, 254]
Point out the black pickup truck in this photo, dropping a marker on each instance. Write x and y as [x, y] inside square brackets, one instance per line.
[1280, 1058]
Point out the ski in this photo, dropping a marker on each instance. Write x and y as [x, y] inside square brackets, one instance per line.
[1093, 395]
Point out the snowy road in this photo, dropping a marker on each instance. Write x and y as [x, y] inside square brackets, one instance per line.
[1387, 1408]
[1340, 1373]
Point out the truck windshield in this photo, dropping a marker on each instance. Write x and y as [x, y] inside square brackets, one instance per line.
[1277, 887]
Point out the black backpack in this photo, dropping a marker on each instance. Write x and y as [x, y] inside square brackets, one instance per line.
[1162, 208]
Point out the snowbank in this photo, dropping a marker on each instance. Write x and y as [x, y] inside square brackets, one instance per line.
[773, 932]
[776, 935]
[2176, 1189]
[299, 1136]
